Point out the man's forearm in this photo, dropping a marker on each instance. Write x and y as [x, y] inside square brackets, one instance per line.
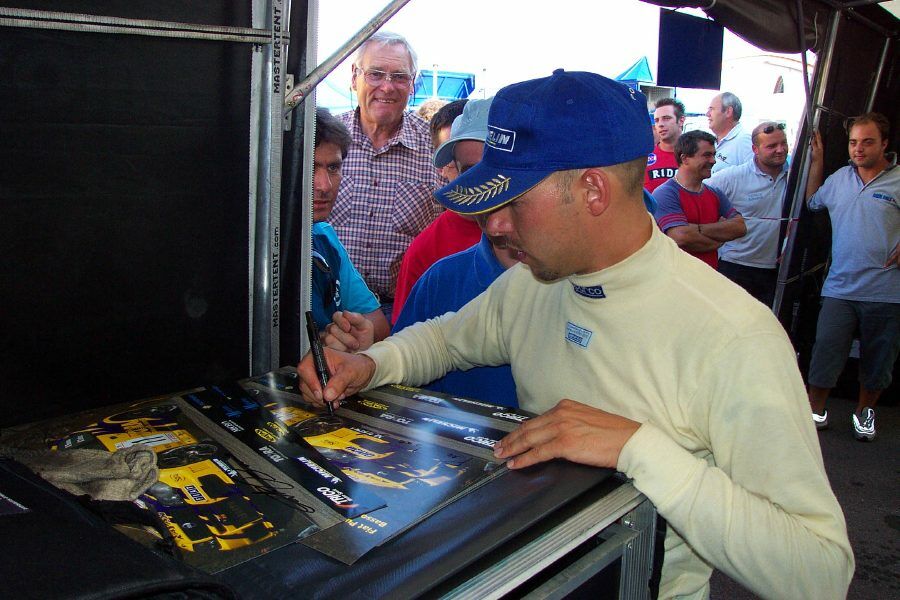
[725, 230]
[413, 356]
[816, 165]
[425, 351]
[771, 551]
[814, 179]
[690, 238]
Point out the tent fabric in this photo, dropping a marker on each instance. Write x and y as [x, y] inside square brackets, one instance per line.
[450, 86]
[768, 24]
[639, 71]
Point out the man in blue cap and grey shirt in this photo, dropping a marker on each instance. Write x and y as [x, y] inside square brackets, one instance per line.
[638, 356]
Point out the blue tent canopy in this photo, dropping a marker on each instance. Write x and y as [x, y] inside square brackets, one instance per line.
[450, 86]
[639, 72]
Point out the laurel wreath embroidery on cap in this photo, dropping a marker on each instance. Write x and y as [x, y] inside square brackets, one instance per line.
[479, 193]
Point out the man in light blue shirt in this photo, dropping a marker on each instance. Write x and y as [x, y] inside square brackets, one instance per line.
[756, 190]
[733, 145]
[862, 290]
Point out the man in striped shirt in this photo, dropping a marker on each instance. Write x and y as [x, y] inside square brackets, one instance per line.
[385, 198]
[698, 217]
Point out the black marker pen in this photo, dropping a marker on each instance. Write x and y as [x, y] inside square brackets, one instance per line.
[318, 353]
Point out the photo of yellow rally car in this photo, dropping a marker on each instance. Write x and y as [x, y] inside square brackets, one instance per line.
[153, 426]
[344, 441]
[201, 505]
[400, 476]
[364, 456]
[369, 458]
[199, 497]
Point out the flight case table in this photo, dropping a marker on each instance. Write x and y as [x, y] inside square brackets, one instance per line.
[538, 533]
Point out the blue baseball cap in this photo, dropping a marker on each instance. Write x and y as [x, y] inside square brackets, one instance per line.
[570, 120]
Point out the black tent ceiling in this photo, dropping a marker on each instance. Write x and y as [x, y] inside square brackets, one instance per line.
[772, 24]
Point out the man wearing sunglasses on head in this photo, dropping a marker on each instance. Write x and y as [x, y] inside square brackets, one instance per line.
[756, 190]
[385, 199]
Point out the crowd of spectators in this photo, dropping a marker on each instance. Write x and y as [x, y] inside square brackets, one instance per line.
[533, 178]
[719, 196]
[634, 354]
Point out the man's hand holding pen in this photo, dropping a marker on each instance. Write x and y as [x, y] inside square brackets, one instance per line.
[349, 374]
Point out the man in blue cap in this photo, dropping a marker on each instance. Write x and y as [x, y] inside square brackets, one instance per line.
[639, 356]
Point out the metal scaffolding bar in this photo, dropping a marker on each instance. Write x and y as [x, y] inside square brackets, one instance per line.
[39, 19]
[302, 89]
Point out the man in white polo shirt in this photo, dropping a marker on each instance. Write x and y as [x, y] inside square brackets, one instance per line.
[756, 190]
[733, 145]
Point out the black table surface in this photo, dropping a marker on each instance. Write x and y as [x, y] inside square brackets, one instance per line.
[437, 554]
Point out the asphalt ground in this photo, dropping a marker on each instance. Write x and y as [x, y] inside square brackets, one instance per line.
[865, 478]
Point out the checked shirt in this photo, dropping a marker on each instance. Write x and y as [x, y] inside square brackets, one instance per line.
[385, 199]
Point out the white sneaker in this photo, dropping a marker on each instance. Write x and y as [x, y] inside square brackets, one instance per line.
[821, 421]
[864, 428]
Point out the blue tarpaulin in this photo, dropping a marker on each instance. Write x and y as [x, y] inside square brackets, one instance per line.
[450, 86]
[637, 73]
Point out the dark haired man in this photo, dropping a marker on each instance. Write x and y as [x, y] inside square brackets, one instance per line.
[862, 290]
[698, 217]
[756, 190]
[336, 284]
[665, 369]
[668, 119]
[440, 125]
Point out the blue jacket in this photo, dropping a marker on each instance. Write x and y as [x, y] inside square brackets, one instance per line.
[336, 284]
[445, 287]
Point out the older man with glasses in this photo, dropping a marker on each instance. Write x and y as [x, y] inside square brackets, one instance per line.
[733, 145]
[756, 190]
[385, 199]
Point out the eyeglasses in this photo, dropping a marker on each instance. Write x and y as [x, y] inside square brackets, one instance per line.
[770, 128]
[376, 77]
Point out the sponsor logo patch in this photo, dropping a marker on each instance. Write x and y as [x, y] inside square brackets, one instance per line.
[593, 291]
[578, 335]
[501, 139]
[651, 159]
